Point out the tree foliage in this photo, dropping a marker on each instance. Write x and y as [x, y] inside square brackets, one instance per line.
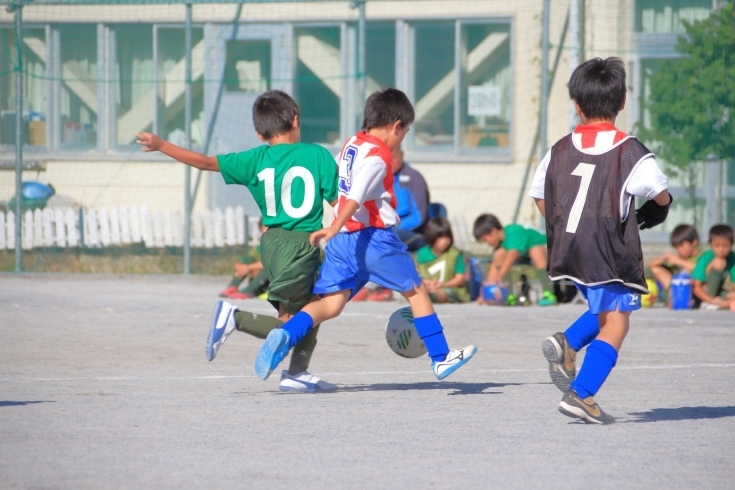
[692, 100]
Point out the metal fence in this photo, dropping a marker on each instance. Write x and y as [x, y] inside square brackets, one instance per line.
[487, 79]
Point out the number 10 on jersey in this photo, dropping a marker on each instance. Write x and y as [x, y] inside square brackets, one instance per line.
[584, 170]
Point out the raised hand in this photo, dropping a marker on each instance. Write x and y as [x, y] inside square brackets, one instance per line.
[148, 141]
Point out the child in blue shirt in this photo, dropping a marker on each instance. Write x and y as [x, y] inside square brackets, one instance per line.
[362, 243]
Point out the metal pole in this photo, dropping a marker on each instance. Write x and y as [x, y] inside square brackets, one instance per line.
[18, 134]
[217, 100]
[534, 145]
[543, 117]
[544, 77]
[187, 129]
[361, 76]
[575, 50]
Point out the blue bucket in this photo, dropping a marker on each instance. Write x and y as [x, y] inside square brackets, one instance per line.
[681, 291]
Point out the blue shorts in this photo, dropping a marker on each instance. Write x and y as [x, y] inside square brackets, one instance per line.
[370, 255]
[610, 297]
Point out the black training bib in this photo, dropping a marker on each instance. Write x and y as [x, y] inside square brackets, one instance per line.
[588, 239]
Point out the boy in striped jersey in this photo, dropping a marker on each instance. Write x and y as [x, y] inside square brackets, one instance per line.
[362, 242]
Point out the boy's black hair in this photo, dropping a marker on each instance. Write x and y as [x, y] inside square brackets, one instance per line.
[273, 113]
[598, 87]
[683, 233]
[724, 231]
[386, 107]
[436, 228]
[484, 224]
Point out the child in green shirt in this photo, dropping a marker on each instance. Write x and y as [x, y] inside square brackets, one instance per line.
[289, 181]
[511, 243]
[441, 264]
[685, 239]
[713, 267]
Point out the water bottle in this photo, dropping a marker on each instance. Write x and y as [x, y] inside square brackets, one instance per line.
[681, 291]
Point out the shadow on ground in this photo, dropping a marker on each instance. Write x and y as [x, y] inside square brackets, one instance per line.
[455, 388]
[8, 403]
[682, 413]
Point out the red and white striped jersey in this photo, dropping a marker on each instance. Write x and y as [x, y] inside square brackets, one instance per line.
[366, 177]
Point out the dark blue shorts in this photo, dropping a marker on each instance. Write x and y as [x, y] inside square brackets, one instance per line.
[371, 255]
[610, 297]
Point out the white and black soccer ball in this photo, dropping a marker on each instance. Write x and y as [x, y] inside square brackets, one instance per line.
[401, 334]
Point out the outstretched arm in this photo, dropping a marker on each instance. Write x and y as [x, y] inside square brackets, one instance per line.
[151, 142]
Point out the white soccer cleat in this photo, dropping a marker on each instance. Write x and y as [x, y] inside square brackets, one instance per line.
[304, 382]
[455, 359]
[223, 324]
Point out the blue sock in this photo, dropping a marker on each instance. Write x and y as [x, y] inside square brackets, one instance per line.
[431, 332]
[583, 331]
[598, 362]
[298, 326]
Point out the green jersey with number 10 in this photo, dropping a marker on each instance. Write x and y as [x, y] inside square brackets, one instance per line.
[287, 181]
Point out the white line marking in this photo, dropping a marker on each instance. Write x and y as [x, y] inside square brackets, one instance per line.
[349, 373]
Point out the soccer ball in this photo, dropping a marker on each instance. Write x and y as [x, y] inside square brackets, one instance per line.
[648, 300]
[495, 294]
[401, 334]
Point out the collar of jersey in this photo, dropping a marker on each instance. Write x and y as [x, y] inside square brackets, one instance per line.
[581, 130]
[372, 139]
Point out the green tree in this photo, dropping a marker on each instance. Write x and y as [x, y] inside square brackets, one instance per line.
[692, 100]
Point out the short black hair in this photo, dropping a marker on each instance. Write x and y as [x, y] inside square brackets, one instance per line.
[683, 233]
[723, 231]
[385, 107]
[436, 228]
[598, 87]
[273, 113]
[484, 224]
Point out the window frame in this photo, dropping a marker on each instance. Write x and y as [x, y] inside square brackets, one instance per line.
[406, 52]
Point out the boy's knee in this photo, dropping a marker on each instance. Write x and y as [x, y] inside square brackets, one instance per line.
[718, 264]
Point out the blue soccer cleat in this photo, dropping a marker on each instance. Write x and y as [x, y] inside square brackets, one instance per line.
[274, 350]
[455, 359]
[223, 324]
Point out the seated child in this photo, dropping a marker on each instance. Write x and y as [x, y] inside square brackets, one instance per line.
[441, 264]
[362, 242]
[685, 240]
[712, 268]
[511, 243]
[248, 266]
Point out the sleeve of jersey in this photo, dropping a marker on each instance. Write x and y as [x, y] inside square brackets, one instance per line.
[234, 167]
[367, 178]
[647, 180]
[329, 177]
[538, 183]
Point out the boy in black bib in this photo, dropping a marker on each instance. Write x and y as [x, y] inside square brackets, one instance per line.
[586, 187]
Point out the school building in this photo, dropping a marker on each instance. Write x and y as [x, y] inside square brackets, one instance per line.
[95, 74]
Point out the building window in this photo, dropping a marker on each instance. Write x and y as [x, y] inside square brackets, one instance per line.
[380, 56]
[170, 79]
[78, 96]
[33, 129]
[133, 74]
[665, 16]
[461, 87]
[485, 93]
[248, 66]
[434, 83]
[318, 83]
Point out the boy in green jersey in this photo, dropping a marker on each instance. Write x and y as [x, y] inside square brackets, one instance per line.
[713, 267]
[511, 243]
[289, 181]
